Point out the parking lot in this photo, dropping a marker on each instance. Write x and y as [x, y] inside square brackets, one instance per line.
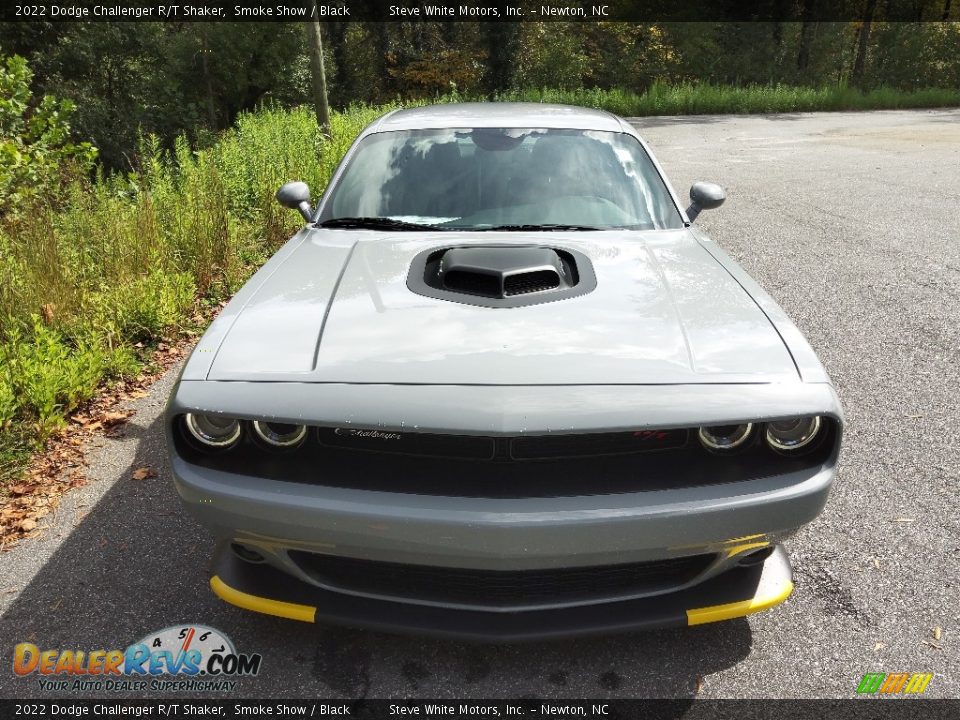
[851, 222]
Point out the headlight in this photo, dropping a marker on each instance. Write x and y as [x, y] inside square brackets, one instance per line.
[725, 437]
[791, 435]
[212, 430]
[281, 435]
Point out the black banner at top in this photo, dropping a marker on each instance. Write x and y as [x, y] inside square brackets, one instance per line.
[175, 706]
[478, 10]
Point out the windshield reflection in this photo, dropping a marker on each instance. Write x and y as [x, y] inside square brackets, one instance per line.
[486, 178]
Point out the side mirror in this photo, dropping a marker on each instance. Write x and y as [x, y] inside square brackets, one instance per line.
[705, 196]
[296, 196]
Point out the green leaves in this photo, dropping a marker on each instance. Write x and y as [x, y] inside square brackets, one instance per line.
[34, 141]
[45, 377]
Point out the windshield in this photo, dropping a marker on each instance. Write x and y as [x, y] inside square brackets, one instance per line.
[489, 178]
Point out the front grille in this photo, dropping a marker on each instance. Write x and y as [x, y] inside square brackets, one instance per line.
[544, 447]
[504, 467]
[466, 447]
[474, 447]
[500, 588]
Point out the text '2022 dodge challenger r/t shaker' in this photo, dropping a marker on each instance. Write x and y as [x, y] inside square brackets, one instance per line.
[500, 386]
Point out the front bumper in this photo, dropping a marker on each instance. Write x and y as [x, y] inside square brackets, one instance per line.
[737, 592]
[281, 520]
[275, 517]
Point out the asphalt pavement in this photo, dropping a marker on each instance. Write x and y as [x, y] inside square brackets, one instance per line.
[851, 222]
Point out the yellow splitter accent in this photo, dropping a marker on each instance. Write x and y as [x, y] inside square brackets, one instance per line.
[291, 611]
[715, 613]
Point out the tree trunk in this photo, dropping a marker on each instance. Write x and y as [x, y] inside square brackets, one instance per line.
[315, 47]
[806, 35]
[501, 41]
[211, 104]
[382, 45]
[860, 62]
[946, 11]
[343, 91]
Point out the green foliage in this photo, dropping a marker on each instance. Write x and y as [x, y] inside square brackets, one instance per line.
[34, 139]
[49, 375]
[124, 258]
[196, 79]
[8, 401]
[165, 79]
[915, 56]
[704, 98]
[143, 310]
[553, 56]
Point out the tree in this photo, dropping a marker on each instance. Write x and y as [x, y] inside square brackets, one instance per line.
[862, 40]
[806, 35]
[501, 40]
[315, 48]
[35, 140]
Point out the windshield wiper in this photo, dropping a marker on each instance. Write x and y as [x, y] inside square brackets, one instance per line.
[543, 227]
[374, 223]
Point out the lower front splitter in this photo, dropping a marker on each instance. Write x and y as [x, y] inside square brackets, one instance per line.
[735, 593]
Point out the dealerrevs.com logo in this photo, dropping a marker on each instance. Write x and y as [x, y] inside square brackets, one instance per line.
[179, 658]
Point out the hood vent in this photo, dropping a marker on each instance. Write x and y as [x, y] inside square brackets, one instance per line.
[501, 275]
[500, 272]
[528, 282]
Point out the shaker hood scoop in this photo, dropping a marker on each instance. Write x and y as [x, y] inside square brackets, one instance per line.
[662, 311]
[501, 276]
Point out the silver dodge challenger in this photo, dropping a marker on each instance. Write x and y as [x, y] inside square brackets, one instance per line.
[501, 386]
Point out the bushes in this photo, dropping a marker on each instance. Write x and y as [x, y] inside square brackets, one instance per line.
[89, 272]
[142, 310]
[34, 139]
[45, 375]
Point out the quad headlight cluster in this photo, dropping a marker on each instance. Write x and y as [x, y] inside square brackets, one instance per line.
[788, 437]
[219, 433]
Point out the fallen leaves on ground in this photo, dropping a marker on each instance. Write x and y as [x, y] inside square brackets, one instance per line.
[60, 465]
[115, 418]
[142, 473]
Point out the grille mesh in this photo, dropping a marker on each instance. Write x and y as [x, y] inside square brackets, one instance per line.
[534, 447]
[523, 283]
[497, 587]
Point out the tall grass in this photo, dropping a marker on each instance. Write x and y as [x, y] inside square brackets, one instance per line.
[704, 98]
[121, 260]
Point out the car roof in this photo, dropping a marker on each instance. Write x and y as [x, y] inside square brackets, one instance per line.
[497, 114]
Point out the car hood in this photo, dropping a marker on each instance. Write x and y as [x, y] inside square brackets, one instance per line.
[334, 307]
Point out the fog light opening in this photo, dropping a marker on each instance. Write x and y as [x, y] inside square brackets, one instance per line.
[756, 557]
[246, 554]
